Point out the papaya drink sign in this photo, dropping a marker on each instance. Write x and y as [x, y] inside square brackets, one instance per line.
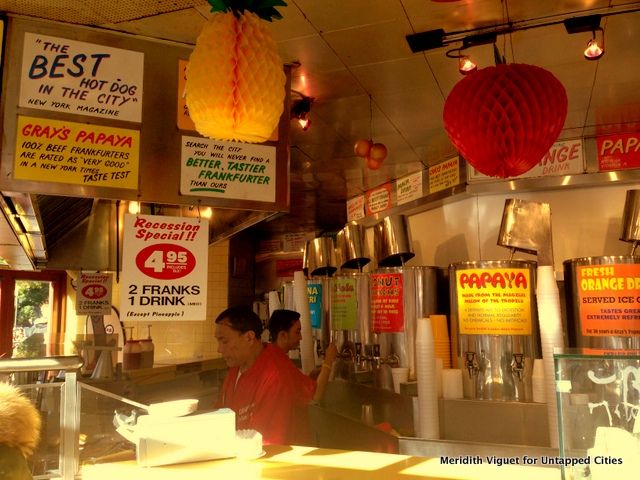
[63, 75]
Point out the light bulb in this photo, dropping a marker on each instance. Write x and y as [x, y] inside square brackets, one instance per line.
[593, 51]
[134, 207]
[466, 65]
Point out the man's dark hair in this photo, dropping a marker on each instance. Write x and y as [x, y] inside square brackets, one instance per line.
[241, 319]
[281, 320]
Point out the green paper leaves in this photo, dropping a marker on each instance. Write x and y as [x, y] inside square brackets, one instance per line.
[265, 9]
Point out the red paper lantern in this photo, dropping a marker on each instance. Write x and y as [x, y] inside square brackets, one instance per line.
[504, 119]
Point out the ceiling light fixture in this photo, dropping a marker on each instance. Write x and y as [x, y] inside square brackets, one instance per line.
[432, 39]
[465, 64]
[590, 23]
[300, 109]
[595, 50]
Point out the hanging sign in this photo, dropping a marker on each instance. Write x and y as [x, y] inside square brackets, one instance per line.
[314, 293]
[63, 75]
[444, 175]
[232, 170]
[184, 120]
[609, 299]
[619, 151]
[68, 152]
[164, 268]
[409, 188]
[93, 294]
[343, 304]
[387, 307]
[494, 301]
[378, 199]
[563, 158]
[355, 208]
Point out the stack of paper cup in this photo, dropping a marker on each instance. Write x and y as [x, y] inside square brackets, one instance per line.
[439, 376]
[537, 381]
[429, 425]
[441, 344]
[550, 336]
[452, 383]
[307, 357]
[274, 302]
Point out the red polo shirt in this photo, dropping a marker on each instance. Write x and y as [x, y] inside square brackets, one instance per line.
[270, 397]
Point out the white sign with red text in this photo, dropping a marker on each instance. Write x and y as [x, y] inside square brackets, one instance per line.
[93, 295]
[563, 158]
[164, 268]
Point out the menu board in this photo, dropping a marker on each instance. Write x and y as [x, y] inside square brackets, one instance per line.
[232, 170]
[494, 301]
[164, 268]
[609, 299]
[344, 304]
[93, 295]
[387, 305]
[68, 152]
[314, 293]
[63, 75]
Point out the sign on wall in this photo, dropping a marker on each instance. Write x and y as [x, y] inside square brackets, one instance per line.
[387, 303]
[608, 299]
[164, 268]
[409, 188]
[563, 158]
[93, 294]
[379, 199]
[77, 153]
[494, 301]
[63, 75]
[619, 151]
[184, 120]
[240, 171]
[444, 175]
[355, 208]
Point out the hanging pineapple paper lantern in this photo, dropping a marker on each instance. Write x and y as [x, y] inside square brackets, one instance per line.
[234, 80]
[504, 119]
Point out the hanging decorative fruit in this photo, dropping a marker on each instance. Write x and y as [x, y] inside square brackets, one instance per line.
[503, 119]
[362, 147]
[235, 80]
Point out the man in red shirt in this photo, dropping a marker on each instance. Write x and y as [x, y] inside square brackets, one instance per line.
[261, 385]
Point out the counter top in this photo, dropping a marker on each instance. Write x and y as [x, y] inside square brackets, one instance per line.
[309, 463]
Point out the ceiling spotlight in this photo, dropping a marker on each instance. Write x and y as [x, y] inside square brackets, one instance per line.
[594, 50]
[300, 109]
[466, 65]
[590, 23]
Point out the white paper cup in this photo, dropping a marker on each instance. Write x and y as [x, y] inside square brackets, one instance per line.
[399, 375]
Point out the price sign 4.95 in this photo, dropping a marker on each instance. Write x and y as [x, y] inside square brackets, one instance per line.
[164, 268]
[165, 261]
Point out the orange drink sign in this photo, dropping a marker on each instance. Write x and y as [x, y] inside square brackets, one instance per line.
[494, 301]
[609, 298]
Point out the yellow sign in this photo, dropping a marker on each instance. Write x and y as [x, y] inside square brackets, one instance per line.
[184, 120]
[77, 153]
[444, 175]
[494, 301]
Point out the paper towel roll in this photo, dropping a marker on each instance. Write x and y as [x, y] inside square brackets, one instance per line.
[302, 307]
[274, 302]
[452, 383]
[429, 424]
[550, 319]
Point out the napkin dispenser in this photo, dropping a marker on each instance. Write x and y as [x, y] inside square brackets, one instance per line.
[164, 440]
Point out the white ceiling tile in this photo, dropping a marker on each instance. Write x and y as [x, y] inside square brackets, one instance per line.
[406, 74]
[330, 15]
[182, 26]
[312, 52]
[371, 43]
[328, 85]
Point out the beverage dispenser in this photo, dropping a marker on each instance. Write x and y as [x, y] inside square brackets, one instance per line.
[399, 295]
[320, 264]
[603, 293]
